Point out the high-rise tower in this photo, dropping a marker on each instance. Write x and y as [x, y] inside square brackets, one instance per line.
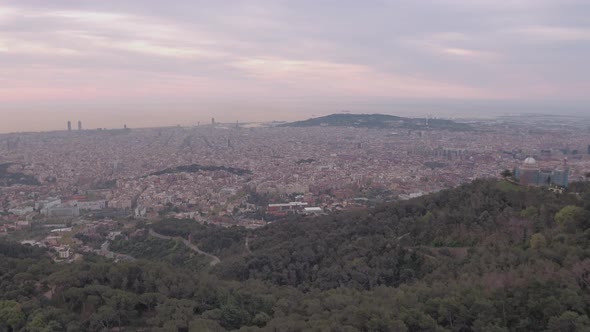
[69, 125]
[79, 125]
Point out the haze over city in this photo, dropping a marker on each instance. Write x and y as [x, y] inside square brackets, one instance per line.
[155, 63]
[294, 165]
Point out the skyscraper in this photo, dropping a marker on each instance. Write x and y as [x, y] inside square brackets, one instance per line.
[213, 121]
[79, 125]
[69, 125]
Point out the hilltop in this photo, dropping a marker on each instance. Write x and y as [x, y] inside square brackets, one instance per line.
[378, 121]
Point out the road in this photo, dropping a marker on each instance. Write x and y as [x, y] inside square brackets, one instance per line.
[247, 245]
[214, 259]
[105, 251]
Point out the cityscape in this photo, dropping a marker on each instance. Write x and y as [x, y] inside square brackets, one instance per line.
[294, 166]
[256, 173]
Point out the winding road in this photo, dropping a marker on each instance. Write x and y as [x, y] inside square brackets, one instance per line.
[214, 259]
[105, 251]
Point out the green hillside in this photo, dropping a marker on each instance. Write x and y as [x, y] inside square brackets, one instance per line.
[488, 256]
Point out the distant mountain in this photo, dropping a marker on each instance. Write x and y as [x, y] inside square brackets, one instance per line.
[378, 121]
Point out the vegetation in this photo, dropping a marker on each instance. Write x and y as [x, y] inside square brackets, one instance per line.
[434, 164]
[488, 256]
[170, 252]
[196, 168]
[506, 173]
[215, 240]
[305, 161]
[106, 184]
[8, 178]
[378, 121]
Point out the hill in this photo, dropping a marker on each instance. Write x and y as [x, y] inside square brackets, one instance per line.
[8, 178]
[194, 168]
[488, 256]
[378, 121]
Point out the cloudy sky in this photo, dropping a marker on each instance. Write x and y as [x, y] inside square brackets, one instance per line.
[154, 62]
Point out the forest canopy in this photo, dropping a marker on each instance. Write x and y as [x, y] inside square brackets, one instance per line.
[487, 256]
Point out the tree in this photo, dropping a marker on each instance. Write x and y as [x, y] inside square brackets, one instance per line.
[173, 311]
[261, 319]
[538, 241]
[506, 173]
[123, 303]
[104, 318]
[569, 321]
[232, 316]
[582, 272]
[11, 315]
[204, 325]
[37, 323]
[530, 213]
[571, 217]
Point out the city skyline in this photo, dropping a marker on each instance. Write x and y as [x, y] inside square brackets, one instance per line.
[150, 63]
[294, 165]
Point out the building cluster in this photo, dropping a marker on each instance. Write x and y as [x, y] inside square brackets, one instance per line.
[259, 171]
[282, 209]
[64, 242]
[531, 174]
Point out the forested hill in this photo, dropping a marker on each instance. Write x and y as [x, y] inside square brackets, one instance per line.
[488, 256]
[194, 168]
[378, 121]
[8, 178]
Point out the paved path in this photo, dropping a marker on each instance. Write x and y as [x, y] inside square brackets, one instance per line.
[214, 259]
[105, 251]
[247, 245]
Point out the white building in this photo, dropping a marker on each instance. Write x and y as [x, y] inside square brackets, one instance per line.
[92, 206]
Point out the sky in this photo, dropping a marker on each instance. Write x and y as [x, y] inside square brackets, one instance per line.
[156, 63]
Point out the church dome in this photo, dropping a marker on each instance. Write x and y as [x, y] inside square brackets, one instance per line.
[530, 161]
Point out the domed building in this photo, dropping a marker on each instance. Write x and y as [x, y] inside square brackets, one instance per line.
[530, 161]
[531, 174]
[528, 173]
